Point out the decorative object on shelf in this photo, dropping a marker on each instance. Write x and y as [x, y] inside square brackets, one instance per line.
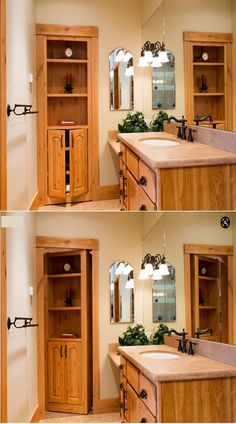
[133, 123]
[157, 123]
[68, 52]
[204, 57]
[68, 336]
[69, 297]
[26, 322]
[134, 336]
[157, 337]
[225, 222]
[68, 89]
[203, 271]
[26, 110]
[67, 267]
[204, 86]
[153, 267]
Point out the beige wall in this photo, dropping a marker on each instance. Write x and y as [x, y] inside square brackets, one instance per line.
[22, 343]
[194, 15]
[21, 141]
[119, 24]
[148, 8]
[120, 238]
[181, 228]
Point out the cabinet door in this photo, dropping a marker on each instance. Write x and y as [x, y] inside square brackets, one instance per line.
[56, 163]
[56, 386]
[145, 204]
[132, 193]
[73, 373]
[132, 405]
[78, 162]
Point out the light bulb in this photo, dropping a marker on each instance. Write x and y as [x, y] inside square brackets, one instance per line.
[143, 275]
[163, 57]
[148, 56]
[120, 268]
[157, 275]
[156, 63]
[127, 57]
[130, 284]
[119, 56]
[142, 62]
[127, 269]
[149, 269]
[164, 269]
[129, 71]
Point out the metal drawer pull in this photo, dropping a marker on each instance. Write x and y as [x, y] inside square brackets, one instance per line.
[121, 154]
[121, 367]
[143, 394]
[121, 173]
[143, 420]
[143, 181]
[143, 208]
[121, 386]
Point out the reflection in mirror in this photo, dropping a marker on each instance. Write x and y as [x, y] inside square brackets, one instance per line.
[163, 85]
[121, 293]
[121, 73]
[164, 297]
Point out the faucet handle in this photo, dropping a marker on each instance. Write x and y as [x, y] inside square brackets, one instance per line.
[190, 134]
[190, 349]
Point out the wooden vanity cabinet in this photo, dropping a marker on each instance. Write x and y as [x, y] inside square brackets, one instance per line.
[68, 111]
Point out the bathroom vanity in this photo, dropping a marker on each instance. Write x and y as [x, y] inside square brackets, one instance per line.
[160, 384]
[160, 172]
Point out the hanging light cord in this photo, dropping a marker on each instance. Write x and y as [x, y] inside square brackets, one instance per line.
[163, 22]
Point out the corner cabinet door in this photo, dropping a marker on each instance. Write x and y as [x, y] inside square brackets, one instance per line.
[78, 162]
[73, 373]
[132, 190]
[56, 164]
[132, 405]
[56, 386]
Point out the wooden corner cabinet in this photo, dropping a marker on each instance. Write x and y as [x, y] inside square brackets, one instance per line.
[209, 291]
[68, 328]
[208, 77]
[68, 113]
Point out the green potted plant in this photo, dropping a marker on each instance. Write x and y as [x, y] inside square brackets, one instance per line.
[157, 337]
[157, 123]
[133, 123]
[134, 335]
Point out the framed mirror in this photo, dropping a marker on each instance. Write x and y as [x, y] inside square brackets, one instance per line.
[121, 71]
[121, 281]
[163, 85]
[164, 297]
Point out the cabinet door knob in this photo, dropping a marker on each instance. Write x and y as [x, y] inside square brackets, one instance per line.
[121, 367]
[143, 394]
[143, 420]
[143, 208]
[121, 386]
[143, 181]
[121, 173]
[121, 154]
[61, 352]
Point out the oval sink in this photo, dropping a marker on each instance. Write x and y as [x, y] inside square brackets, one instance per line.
[160, 355]
[158, 142]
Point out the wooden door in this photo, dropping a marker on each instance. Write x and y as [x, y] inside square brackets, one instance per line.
[56, 164]
[132, 193]
[73, 372]
[78, 162]
[56, 387]
[132, 405]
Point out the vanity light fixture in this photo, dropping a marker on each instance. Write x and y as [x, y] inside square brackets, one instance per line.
[154, 267]
[120, 55]
[130, 281]
[120, 268]
[127, 56]
[130, 68]
[127, 269]
[153, 54]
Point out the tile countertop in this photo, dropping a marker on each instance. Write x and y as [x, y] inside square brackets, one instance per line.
[183, 155]
[188, 367]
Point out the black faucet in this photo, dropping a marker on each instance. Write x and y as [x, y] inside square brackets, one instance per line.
[201, 332]
[199, 119]
[182, 342]
[182, 129]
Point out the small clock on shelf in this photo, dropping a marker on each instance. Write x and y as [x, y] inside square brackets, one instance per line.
[68, 52]
[205, 57]
[203, 271]
[67, 267]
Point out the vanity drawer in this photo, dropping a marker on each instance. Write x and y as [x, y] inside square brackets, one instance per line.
[133, 376]
[147, 179]
[145, 415]
[123, 366]
[132, 163]
[147, 392]
[145, 203]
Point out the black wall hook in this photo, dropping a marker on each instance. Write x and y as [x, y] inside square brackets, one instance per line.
[26, 110]
[26, 322]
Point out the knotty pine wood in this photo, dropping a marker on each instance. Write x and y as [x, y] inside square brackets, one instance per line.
[78, 163]
[56, 164]
[145, 201]
[133, 376]
[64, 30]
[3, 331]
[150, 176]
[145, 414]
[132, 413]
[3, 119]
[151, 400]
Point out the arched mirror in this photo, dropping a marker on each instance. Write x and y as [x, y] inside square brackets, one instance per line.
[164, 297]
[163, 85]
[121, 71]
[121, 293]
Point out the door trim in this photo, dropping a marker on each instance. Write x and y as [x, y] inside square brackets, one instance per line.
[43, 243]
[3, 101]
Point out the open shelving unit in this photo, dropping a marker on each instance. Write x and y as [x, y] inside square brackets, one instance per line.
[67, 104]
[214, 96]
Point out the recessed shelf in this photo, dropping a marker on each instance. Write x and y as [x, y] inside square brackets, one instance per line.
[71, 275]
[208, 94]
[66, 127]
[208, 64]
[207, 307]
[64, 339]
[77, 61]
[203, 277]
[65, 308]
[68, 95]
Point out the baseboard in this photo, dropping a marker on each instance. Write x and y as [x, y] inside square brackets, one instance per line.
[109, 192]
[36, 416]
[106, 406]
[35, 203]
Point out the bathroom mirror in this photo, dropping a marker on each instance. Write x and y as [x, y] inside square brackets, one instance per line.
[163, 85]
[164, 297]
[121, 293]
[121, 73]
